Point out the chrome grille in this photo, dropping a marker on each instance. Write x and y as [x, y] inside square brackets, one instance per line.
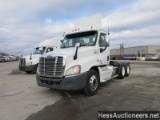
[51, 66]
[22, 62]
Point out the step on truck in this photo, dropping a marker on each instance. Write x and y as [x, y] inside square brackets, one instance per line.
[83, 62]
[29, 63]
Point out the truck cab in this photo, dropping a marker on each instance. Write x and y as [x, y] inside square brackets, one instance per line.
[29, 63]
[82, 63]
[2, 59]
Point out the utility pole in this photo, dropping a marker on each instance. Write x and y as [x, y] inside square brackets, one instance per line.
[122, 49]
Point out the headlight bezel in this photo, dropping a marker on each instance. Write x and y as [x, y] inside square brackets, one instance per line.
[74, 70]
[28, 63]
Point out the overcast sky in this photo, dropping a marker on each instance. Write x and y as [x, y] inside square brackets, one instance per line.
[25, 23]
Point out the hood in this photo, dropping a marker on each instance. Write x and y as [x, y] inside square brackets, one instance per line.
[34, 56]
[69, 53]
[26, 57]
[61, 52]
[84, 52]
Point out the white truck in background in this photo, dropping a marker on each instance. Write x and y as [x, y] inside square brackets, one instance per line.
[29, 63]
[83, 62]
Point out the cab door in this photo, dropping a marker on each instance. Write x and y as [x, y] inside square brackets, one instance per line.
[104, 50]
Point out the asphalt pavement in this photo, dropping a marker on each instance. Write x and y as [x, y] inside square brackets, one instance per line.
[22, 99]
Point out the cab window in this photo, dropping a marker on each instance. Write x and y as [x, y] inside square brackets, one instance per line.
[102, 40]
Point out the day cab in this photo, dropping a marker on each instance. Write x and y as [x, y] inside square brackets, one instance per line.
[83, 62]
[29, 63]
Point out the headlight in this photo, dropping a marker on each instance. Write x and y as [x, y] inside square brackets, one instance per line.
[29, 63]
[37, 69]
[74, 70]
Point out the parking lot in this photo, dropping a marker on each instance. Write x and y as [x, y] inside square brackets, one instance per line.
[22, 99]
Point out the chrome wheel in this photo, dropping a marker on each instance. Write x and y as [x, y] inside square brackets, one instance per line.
[93, 83]
[123, 71]
[128, 69]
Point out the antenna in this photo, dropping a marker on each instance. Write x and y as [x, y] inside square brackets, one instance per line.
[108, 28]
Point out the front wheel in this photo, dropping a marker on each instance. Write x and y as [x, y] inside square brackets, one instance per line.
[92, 83]
[35, 68]
[28, 72]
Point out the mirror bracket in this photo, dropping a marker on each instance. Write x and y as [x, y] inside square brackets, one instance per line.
[77, 46]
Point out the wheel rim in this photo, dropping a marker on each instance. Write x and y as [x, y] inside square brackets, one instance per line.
[93, 83]
[123, 71]
[128, 69]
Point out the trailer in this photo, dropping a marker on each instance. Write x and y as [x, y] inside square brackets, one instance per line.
[83, 62]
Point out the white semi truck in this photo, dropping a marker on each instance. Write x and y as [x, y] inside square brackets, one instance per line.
[83, 62]
[29, 63]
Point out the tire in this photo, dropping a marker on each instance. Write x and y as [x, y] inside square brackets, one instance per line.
[121, 71]
[28, 72]
[127, 69]
[35, 68]
[92, 83]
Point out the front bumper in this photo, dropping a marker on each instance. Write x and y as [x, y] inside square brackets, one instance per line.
[77, 82]
[28, 68]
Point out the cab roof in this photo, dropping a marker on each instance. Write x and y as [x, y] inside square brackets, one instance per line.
[50, 42]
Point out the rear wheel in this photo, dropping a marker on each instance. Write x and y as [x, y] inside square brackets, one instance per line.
[127, 69]
[121, 71]
[92, 83]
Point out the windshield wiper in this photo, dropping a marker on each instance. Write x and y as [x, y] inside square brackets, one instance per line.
[64, 47]
[83, 45]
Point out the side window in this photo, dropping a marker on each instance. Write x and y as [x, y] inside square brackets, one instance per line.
[49, 49]
[102, 41]
[86, 40]
[71, 43]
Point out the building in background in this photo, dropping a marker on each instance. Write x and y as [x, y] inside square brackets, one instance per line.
[138, 51]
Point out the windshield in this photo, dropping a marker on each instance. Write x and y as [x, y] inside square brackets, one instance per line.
[85, 38]
[37, 51]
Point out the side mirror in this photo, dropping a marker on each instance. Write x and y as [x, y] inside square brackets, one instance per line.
[78, 44]
[106, 45]
[101, 50]
[61, 41]
[31, 56]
